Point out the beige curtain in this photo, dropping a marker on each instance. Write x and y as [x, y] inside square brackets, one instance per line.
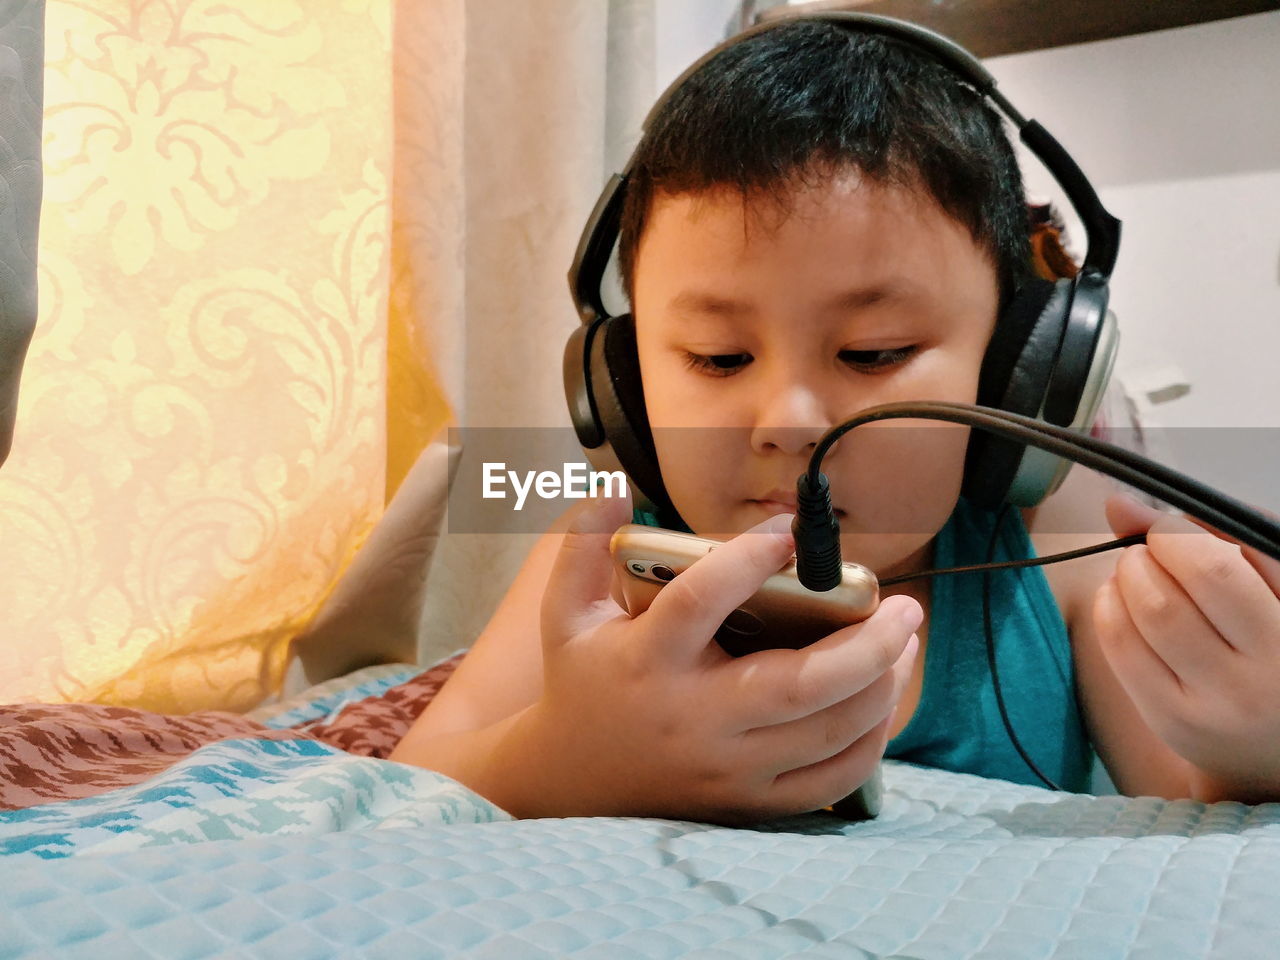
[282, 243]
[534, 105]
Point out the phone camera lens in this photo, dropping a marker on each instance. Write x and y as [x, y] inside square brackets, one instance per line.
[663, 572]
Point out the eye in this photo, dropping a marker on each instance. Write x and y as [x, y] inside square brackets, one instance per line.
[877, 360]
[717, 364]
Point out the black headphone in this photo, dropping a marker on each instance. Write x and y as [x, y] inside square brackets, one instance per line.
[1050, 358]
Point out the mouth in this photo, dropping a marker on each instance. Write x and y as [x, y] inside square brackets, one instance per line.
[782, 501]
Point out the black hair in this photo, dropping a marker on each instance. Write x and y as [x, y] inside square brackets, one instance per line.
[806, 98]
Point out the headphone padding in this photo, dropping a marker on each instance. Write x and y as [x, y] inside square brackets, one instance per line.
[1080, 339]
[619, 395]
[1015, 375]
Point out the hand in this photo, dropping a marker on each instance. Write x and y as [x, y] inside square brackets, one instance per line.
[650, 717]
[1190, 624]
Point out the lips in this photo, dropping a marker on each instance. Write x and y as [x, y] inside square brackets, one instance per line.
[785, 498]
[782, 501]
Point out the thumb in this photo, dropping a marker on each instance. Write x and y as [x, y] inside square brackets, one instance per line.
[1127, 515]
[582, 574]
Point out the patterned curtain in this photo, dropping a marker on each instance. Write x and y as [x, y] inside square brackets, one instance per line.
[283, 243]
[202, 438]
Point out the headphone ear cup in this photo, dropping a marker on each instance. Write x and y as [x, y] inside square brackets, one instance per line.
[619, 395]
[1080, 377]
[577, 386]
[1015, 376]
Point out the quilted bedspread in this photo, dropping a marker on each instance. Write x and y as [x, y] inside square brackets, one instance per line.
[294, 849]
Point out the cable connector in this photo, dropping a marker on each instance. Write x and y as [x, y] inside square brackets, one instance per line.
[817, 533]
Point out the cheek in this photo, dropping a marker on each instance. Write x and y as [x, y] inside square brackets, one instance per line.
[948, 372]
[697, 463]
[677, 397]
[694, 450]
[695, 453]
[898, 503]
[903, 476]
[899, 477]
[662, 375]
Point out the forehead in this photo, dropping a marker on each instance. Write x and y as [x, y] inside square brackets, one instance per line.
[809, 236]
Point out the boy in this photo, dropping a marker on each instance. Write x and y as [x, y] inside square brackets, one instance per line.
[819, 222]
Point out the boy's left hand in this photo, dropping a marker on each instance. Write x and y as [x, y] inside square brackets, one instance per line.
[1190, 624]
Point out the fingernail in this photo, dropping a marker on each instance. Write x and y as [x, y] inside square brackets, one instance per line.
[1144, 509]
[781, 524]
[909, 612]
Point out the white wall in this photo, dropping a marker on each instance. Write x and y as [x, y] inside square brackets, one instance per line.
[1180, 132]
[686, 29]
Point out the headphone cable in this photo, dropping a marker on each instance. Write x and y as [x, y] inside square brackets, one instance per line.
[817, 530]
[1029, 562]
[991, 649]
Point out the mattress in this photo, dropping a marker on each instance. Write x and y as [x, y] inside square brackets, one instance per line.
[290, 849]
[955, 867]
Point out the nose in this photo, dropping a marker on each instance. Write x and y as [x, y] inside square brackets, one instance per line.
[792, 417]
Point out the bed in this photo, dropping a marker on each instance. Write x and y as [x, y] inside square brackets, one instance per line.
[289, 836]
[284, 832]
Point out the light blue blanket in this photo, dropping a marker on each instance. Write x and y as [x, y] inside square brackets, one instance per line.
[280, 850]
[245, 788]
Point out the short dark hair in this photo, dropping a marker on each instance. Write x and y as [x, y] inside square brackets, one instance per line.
[809, 97]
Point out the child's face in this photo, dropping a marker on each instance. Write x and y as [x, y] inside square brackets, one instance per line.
[763, 329]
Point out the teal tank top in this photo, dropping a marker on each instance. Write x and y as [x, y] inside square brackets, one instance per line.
[957, 723]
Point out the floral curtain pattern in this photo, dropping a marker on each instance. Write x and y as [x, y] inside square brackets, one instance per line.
[202, 439]
[283, 244]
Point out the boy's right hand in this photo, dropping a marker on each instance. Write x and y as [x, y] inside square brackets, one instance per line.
[650, 717]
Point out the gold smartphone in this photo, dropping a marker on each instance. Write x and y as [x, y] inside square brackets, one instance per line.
[782, 613]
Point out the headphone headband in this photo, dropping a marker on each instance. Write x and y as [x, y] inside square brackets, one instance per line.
[1102, 230]
[941, 48]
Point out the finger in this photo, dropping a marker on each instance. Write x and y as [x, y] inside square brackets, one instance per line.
[582, 574]
[1268, 568]
[1145, 677]
[821, 735]
[831, 780]
[1230, 592]
[1168, 620]
[777, 686]
[691, 607]
[1127, 515]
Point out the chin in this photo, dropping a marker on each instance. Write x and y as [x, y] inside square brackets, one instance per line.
[888, 554]
[721, 524]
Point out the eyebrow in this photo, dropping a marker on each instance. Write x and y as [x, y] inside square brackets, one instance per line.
[847, 301]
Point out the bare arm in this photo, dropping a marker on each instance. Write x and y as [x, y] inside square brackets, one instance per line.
[472, 728]
[502, 672]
